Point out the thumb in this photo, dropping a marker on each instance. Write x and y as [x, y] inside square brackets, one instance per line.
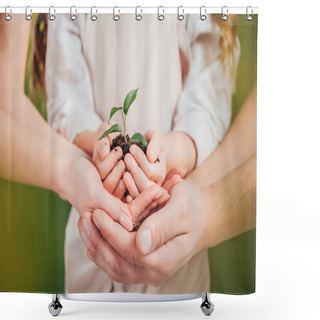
[155, 146]
[116, 209]
[158, 229]
[140, 206]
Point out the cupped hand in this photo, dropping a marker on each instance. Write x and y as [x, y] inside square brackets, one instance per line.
[87, 193]
[153, 163]
[165, 241]
[110, 167]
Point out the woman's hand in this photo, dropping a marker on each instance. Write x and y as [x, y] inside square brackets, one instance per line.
[83, 188]
[165, 241]
[108, 164]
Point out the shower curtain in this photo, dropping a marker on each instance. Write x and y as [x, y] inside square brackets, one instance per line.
[160, 115]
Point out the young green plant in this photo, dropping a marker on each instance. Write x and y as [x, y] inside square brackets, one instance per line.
[137, 137]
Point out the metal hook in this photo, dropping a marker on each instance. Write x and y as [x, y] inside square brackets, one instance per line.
[138, 16]
[224, 16]
[248, 16]
[116, 17]
[180, 15]
[160, 16]
[93, 17]
[7, 16]
[203, 13]
[73, 16]
[28, 15]
[51, 15]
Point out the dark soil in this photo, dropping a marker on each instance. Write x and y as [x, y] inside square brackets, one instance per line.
[120, 141]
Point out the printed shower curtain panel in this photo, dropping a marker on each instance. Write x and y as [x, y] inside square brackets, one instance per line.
[128, 154]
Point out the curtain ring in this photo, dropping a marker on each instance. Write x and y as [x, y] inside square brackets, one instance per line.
[116, 17]
[73, 16]
[180, 15]
[93, 17]
[7, 16]
[138, 16]
[203, 13]
[248, 16]
[224, 15]
[160, 16]
[28, 15]
[51, 15]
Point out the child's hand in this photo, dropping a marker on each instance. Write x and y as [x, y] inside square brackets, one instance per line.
[110, 167]
[153, 163]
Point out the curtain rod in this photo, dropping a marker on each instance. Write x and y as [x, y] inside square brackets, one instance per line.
[130, 10]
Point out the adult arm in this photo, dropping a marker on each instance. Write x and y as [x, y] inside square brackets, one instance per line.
[30, 151]
[238, 145]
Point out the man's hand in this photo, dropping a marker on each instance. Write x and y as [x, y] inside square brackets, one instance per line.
[165, 241]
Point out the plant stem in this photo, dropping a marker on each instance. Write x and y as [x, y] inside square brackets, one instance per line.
[124, 118]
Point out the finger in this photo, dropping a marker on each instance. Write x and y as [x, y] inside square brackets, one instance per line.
[130, 184]
[180, 170]
[171, 182]
[104, 255]
[117, 209]
[120, 190]
[139, 177]
[159, 228]
[105, 167]
[128, 198]
[123, 243]
[113, 179]
[154, 145]
[101, 149]
[140, 158]
[137, 206]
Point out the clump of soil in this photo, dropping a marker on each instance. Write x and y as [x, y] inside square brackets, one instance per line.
[121, 142]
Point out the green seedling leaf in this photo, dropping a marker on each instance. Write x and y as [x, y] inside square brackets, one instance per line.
[131, 96]
[113, 111]
[114, 128]
[138, 137]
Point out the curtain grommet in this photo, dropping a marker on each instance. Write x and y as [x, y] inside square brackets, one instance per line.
[73, 15]
[93, 17]
[51, 16]
[28, 13]
[116, 17]
[6, 15]
[203, 13]
[180, 13]
[160, 16]
[138, 16]
[224, 13]
[249, 17]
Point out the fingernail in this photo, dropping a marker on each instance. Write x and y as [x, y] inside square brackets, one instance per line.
[118, 152]
[126, 221]
[86, 227]
[85, 239]
[133, 149]
[145, 240]
[128, 160]
[96, 221]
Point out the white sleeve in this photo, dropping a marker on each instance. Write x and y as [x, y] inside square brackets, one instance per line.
[70, 103]
[205, 105]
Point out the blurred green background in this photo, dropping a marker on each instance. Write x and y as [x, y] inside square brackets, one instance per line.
[33, 220]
